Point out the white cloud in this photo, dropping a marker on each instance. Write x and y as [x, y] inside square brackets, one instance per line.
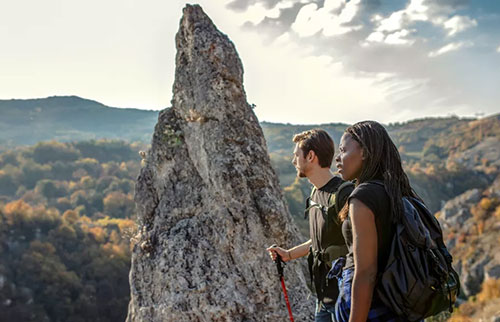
[307, 22]
[333, 18]
[333, 5]
[317, 89]
[258, 12]
[394, 26]
[454, 46]
[417, 10]
[458, 24]
[416, 32]
[394, 29]
[376, 36]
[393, 23]
[350, 11]
[398, 38]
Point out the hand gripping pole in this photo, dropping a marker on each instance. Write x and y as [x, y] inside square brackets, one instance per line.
[279, 266]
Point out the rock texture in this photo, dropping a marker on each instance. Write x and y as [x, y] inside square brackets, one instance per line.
[456, 212]
[473, 240]
[485, 152]
[208, 200]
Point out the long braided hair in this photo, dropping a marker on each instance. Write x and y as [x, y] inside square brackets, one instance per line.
[382, 161]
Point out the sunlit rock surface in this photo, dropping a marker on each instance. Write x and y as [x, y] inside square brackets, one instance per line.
[208, 200]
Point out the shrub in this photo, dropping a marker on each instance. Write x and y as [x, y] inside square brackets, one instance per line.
[490, 289]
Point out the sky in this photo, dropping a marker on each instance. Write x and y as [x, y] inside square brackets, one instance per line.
[305, 61]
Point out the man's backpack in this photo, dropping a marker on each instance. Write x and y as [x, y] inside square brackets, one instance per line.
[330, 211]
[418, 280]
[330, 216]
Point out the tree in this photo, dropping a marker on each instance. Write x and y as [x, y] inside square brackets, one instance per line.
[91, 166]
[17, 213]
[50, 189]
[8, 184]
[45, 152]
[117, 204]
[33, 172]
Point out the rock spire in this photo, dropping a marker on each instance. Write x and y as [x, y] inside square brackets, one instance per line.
[208, 200]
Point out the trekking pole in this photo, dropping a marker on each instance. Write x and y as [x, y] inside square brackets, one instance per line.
[279, 266]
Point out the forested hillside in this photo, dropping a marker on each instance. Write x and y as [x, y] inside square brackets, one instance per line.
[66, 219]
[67, 205]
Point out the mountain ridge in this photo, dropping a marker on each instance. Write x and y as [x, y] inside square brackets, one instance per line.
[70, 118]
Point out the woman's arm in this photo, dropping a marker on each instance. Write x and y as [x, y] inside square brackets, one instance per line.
[364, 233]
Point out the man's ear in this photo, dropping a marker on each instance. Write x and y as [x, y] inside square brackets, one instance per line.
[310, 155]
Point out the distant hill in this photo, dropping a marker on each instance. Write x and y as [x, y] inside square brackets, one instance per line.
[434, 145]
[70, 118]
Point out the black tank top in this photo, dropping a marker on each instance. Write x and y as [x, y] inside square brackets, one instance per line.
[374, 197]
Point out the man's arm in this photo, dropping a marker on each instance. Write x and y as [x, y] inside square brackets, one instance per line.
[292, 253]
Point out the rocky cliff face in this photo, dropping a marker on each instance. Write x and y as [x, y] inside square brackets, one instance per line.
[471, 228]
[208, 200]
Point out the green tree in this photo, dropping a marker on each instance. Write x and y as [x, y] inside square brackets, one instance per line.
[50, 189]
[45, 152]
[32, 172]
[8, 184]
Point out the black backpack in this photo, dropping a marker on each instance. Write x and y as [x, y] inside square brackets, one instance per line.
[418, 280]
[330, 216]
[330, 211]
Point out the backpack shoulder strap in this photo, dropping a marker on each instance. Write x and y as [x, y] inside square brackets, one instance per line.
[310, 203]
[313, 190]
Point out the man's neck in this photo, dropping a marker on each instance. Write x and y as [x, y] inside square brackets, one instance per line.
[320, 177]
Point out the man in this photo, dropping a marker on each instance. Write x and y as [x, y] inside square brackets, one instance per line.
[312, 157]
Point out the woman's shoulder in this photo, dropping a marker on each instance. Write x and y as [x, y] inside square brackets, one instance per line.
[373, 195]
[369, 188]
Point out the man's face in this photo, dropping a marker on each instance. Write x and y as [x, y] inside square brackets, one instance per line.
[299, 161]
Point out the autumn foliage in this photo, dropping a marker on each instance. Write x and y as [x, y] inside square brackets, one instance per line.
[66, 219]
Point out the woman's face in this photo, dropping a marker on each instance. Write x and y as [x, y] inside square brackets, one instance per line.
[349, 161]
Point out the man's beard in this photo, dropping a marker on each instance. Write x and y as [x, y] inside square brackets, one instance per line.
[301, 174]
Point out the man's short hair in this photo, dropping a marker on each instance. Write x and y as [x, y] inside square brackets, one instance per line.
[320, 142]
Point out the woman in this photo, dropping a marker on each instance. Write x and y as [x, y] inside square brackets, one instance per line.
[368, 156]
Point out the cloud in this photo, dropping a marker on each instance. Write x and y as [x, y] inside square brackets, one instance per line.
[396, 38]
[403, 39]
[454, 46]
[316, 86]
[333, 19]
[458, 24]
[257, 12]
[417, 10]
[243, 5]
[397, 27]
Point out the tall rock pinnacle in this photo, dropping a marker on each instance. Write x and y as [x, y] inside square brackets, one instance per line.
[208, 200]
